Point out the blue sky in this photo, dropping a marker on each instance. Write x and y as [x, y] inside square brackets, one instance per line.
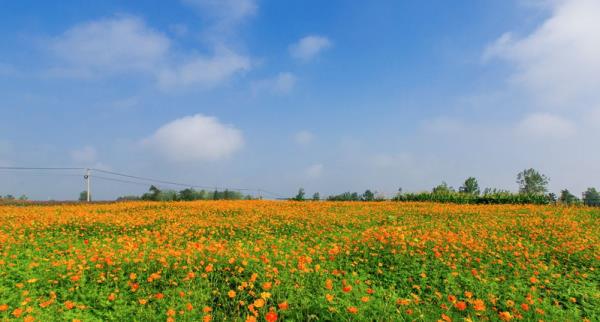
[328, 95]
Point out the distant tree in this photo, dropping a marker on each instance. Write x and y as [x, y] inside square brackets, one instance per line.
[532, 182]
[300, 195]
[186, 194]
[442, 189]
[316, 196]
[567, 197]
[83, 196]
[552, 197]
[591, 197]
[470, 186]
[368, 195]
[9, 197]
[346, 196]
[152, 194]
[128, 198]
[23, 198]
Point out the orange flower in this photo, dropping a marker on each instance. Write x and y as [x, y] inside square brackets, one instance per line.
[17, 312]
[364, 299]
[478, 305]
[206, 309]
[352, 310]
[452, 298]
[271, 316]
[525, 307]
[505, 316]
[347, 288]
[403, 302]
[189, 306]
[267, 286]
[207, 318]
[468, 294]
[112, 297]
[159, 296]
[329, 284]
[132, 276]
[231, 293]
[329, 297]
[208, 268]
[250, 318]
[283, 306]
[259, 303]
[69, 305]
[446, 318]
[171, 312]
[461, 306]
[3, 307]
[533, 280]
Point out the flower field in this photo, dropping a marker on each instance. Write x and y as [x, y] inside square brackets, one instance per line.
[299, 261]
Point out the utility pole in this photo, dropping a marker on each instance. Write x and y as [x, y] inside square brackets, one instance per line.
[88, 184]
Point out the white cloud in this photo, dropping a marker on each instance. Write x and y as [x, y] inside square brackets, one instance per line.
[304, 137]
[126, 45]
[111, 45]
[309, 47]
[86, 155]
[558, 64]
[195, 138]
[205, 72]
[314, 171]
[227, 10]
[543, 125]
[283, 83]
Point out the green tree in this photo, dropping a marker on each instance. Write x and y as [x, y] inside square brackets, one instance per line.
[152, 194]
[567, 197]
[316, 196]
[470, 186]
[443, 188]
[368, 195]
[83, 196]
[532, 182]
[591, 197]
[300, 195]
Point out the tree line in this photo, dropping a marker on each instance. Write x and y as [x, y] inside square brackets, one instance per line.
[189, 194]
[533, 189]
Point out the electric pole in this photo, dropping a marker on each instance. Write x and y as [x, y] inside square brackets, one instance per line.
[88, 184]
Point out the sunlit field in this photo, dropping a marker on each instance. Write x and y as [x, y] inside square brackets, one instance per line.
[298, 261]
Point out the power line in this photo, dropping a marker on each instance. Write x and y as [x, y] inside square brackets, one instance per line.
[124, 175]
[119, 180]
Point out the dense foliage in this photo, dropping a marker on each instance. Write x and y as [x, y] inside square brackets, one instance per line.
[488, 197]
[298, 261]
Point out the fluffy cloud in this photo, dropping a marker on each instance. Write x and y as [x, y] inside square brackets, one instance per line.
[314, 171]
[113, 45]
[195, 138]
[283, 83]
[309, 47]
[559, 62]
[304, 137]
[543, 125]
[206, 72]
[126, 45]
